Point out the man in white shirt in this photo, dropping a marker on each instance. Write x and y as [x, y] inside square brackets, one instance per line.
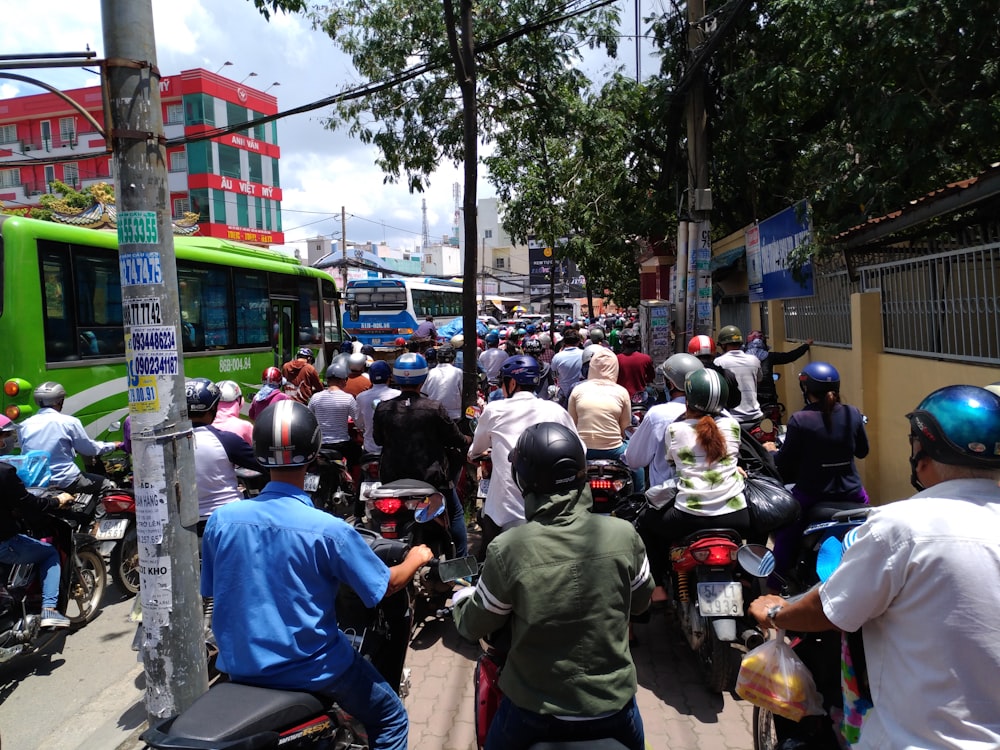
[498, 430]
[444, 382]
[920, 579]
[746, 367]
[368, 400]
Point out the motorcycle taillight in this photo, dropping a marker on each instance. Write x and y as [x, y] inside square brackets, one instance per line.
[118, 504]
[607, 484]
[388, 530]
[388, 505]
[714, 555]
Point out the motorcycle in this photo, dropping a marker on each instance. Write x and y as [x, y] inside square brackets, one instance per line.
[233, 715]
[118, 539]
[415, 511]
[82, 582]
[611, 483]
[330, 484]
[820, 652]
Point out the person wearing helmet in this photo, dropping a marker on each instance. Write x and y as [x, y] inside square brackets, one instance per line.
[357, 379]
[703, 449]
[747, 370]
[380, 391]
[602, 410]
[919, 583]
[63, 437]
[704, 349]
[635, 368]
[444, 382]
[457, 342]
[534, 349]
[596, 337]
[270, 391]
[274, 566]
[494, 356]
[646, 447]
[767, 394]
[335, 408]
[614, 337]
[566, 363]
[418, 439]
[818, 454]
[566, 582]
[301, 378]
[500, 425]
[217, 452]
[547, 353]
[227, 416]
[426, 329]
[16, 503]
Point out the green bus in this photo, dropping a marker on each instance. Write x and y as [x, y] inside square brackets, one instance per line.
[243, 309]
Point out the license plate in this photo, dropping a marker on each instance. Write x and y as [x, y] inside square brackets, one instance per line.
[367, 487]
[312, 483]
[112, 528]
[724, 598]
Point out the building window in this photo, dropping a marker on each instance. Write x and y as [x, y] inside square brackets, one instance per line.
[242, 211]
[67, 130]
[500, 262]
[429, 258]
[10, 178]
[229, 162]
[50, 177]
[199, 203]
[258, 214]
[256, 168]
[235, 114]
[178, 161]
[181, 207]
[200, 158]
[488, 234]
[258, 130]
[175, 114]
[219, 206]
[71, 175]
[8, 133]
[199, 109]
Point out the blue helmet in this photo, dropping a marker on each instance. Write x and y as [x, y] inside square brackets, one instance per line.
[819, 377]
[202, 395]
[959, 424]
[379, 372]
[409, 369]
[492, 338]
[523, 369]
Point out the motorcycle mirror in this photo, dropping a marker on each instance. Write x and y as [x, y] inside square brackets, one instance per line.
[460, 567]
[756, 559]
[429, 508]
[776, 376]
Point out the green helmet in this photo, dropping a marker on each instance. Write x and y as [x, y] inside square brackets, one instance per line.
[729, 335]
[706, 391]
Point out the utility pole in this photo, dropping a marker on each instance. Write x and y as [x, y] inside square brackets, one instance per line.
[699, 243]
[343, 249]
[173, 645]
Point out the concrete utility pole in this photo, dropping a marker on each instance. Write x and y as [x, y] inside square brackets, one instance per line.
[699, 243]
[173, 647]
[343, 249]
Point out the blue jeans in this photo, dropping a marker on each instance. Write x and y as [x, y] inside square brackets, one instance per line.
[638, 475]
[514, 728]
[363, 693]
[23, 549]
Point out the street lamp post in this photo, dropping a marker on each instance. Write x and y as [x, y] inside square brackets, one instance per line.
[226, 63]
[248, 75]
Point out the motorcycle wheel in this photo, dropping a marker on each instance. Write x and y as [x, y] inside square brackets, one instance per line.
[125, 563]
[764, 735]
[86, 588]
[722, 663]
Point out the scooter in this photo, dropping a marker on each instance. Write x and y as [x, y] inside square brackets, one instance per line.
[82, 583]
[118, 538]
[330, 484]
[611, 483]
[233, 716]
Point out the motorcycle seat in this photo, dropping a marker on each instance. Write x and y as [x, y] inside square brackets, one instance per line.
[404, 488]
[330, 453]
[231, 711]
[825, 511]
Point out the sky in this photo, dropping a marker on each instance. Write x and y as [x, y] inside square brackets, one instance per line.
[321, 170]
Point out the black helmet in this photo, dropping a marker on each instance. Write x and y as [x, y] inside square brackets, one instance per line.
[548, 458]
[629, 338]
[49, 394]
[202, 395]
[959, 424]
[523, 369]
[819, 377]
[286, 434]
[446, 353]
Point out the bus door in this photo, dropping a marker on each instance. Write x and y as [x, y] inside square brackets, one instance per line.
[283, 317]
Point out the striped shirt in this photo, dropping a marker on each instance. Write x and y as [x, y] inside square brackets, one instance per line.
[332, 409]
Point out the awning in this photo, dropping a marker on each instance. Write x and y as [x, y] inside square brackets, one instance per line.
[727, 259]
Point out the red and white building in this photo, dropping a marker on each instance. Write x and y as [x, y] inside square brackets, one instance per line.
[232, 181]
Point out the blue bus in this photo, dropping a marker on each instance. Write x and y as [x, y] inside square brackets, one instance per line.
[379, 311]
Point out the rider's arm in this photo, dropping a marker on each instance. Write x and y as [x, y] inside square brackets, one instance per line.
[805, 614]
[783, 358]
[82, 443]
[482, 437]
[237, 450]
[860, 435]
[13, 491]
[400, 575]
[642, 445]
[489, 608]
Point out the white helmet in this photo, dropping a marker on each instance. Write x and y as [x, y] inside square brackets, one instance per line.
[230, 390]
[458, 341]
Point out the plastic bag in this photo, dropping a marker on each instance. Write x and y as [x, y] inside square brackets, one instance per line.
[771, 506]
[773, 677]
[32, 468]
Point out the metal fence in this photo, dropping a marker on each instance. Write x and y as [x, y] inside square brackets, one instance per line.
[735, 311]
[943, 305]
[826, 316]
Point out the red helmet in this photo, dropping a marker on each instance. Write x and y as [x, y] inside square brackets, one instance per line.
[701, 346]
[400, 341]
[271, 376]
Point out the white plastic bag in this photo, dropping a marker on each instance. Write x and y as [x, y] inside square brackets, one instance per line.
[773, 677]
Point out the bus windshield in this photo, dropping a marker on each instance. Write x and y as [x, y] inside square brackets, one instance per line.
[378, 298]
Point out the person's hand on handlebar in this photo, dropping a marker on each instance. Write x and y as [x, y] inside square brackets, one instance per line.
[421, 555]
[400, 575]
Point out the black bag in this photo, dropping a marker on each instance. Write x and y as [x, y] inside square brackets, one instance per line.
[771, 506]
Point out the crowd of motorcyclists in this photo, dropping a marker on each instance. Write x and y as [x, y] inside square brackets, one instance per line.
[564, 580]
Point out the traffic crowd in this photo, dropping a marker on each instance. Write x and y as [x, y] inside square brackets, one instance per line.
[916, 580]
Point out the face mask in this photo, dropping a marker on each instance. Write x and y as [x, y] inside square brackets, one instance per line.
[914, 459]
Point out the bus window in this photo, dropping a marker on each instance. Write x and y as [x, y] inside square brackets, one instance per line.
[98, 303]
[205, 302]
[251, 308]
[331, 322]
[309, 330]
[60, 327]
[378, 299]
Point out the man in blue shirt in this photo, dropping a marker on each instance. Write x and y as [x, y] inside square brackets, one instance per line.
[274, 564]
[567, 362]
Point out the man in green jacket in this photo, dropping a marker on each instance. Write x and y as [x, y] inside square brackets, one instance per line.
[566, 583]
